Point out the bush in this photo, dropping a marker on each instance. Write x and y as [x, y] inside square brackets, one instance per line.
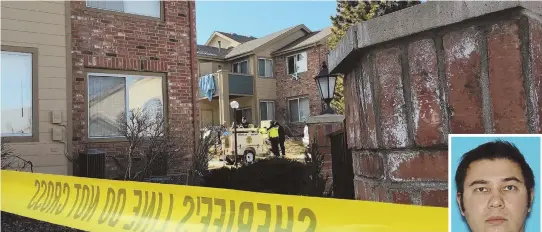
[273, 175]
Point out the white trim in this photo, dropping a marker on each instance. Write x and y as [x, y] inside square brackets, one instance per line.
[296, 73]
[126, 98]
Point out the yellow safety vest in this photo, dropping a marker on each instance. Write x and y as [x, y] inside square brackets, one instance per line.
[274, 132]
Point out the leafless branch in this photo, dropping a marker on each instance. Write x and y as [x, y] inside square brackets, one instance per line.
[11, 160]
[147, 137]
[200, 160]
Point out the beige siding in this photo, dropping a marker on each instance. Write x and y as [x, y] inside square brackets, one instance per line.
[210, 114]
[205, 68]
[266, 88]
[42, 25]
[224, 43]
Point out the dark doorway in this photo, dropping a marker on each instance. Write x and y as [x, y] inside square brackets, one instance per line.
[341, 164]
[245, 112]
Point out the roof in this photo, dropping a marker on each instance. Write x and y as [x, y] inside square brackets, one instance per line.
[204, 50]
[309, 39]
[253, 44]
[237, 37]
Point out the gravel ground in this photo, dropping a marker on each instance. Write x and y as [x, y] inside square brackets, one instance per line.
[12, 223]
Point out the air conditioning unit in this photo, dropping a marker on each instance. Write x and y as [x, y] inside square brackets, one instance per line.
[92, 164]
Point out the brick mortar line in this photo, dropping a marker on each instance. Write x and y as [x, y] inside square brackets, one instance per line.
[407, 94]
[375, 89]
[485, 81]
[444, 89]
[528, 85]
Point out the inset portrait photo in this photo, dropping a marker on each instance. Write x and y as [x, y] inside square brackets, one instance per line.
[494, 182]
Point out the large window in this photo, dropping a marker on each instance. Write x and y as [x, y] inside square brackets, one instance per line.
[265, 67]
[297, 63]
[151, 8]
[267, 110]
[17, 86]
[240, 67]
[299, 109]
[112, 95]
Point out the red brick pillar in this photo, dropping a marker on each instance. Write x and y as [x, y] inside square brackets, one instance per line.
[320, 127]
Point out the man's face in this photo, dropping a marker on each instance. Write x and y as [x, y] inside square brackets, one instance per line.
[495, 196]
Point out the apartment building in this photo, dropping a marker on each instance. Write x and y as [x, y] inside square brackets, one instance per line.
[86, 62]
[127, 55]
[271, 77]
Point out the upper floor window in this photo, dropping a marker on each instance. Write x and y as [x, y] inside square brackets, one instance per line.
[240, 67]
[151, 8]
[18, 105]
[297, 63]
[265, 67]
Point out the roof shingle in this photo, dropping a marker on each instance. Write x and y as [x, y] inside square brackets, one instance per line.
[204, 50]
[253, 44]
[238, 38]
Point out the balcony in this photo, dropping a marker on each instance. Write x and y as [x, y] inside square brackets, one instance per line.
[232, 84]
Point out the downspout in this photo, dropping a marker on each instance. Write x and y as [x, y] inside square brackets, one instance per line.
[192, 73]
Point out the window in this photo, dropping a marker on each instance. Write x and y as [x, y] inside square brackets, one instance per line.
[18, 100]
[111, 95]
[241, 67]
[265, 67]
[267, 110]
[299, 109]
[297, 63]
[151, 8]
[243, 112]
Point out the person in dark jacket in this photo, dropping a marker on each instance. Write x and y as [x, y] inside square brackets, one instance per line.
[273, 132]
[282, 138]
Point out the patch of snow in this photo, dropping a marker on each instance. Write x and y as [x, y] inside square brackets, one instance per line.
[395, 159]
[465, 47]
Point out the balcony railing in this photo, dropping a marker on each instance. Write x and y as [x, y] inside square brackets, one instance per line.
[239, 84]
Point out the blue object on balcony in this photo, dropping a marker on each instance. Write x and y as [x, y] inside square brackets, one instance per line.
[207, 85]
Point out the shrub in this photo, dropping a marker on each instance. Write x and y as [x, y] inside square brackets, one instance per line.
[273, 175]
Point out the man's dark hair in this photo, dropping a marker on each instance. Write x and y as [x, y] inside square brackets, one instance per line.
[491, 151]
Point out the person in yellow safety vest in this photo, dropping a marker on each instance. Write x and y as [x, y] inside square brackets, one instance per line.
[274, 138]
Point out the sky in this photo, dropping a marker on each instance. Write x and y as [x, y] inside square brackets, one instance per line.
[260, 18]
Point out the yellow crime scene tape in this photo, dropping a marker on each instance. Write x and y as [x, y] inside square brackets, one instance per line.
[109, 205]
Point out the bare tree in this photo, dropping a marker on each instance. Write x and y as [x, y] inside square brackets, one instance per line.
[148, 137]
[199, 167]
[11, 160]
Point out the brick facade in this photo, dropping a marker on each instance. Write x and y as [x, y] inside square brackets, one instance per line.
[403, 99]
[288, 88]
[115, 41]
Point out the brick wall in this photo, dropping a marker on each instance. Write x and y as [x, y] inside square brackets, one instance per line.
[404, 97]
[288, 88]
[107, 40]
